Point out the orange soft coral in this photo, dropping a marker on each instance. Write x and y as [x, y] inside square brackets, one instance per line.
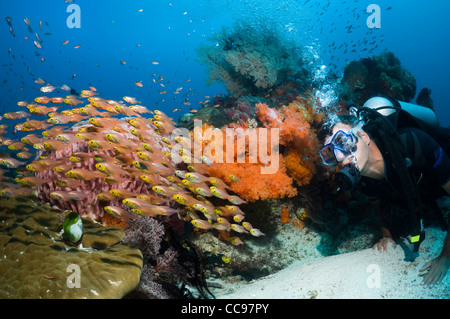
[284, 215]
[291, 120]
[253, 185]
[297, 135]
[298, 168]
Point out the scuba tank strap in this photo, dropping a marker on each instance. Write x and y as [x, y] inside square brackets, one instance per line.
[403, 168]
[394, 150]
[413, 148]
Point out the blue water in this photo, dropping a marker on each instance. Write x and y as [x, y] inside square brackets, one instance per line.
[168, 32]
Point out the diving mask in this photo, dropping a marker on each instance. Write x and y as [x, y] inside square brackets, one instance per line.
[342, 145]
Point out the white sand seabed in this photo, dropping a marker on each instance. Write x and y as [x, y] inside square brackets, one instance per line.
[362, 274]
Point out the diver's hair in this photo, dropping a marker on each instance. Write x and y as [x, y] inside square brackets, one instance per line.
[347, 119]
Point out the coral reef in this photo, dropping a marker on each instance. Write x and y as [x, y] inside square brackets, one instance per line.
[299, 141]
[382, 74]
[254, 185]
[284, 215]
[163, 268]
[210, 115]
[79, 155]
[251, 60]
[36, 262]
[424, 98]
[120, 163]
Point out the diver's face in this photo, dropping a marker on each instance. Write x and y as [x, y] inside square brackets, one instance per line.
[360, 156]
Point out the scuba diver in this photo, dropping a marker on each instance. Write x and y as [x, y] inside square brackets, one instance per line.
[395, 152]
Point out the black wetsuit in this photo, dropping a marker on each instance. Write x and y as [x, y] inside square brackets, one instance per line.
[431, 167]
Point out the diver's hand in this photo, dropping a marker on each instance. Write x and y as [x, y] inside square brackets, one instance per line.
[437, 268]
[383, 243]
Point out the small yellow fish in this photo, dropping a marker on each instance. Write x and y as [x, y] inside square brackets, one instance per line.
[185, 199]
[140, 165]
[202, 224]
[35, 167]
[238, 218]
[238, 228]
[118, 212]
[99, 144]
[256, 232]
[131, 100]
[31, 181]
[67, 138]
[122, 193]
[83, 174]
[204, 208]
[218, 211]
[203, 190]
[48, 88]
[153, 210]
[137, 122]
[113, 180]
[180, 173]
[234, 178]
[224, 221]
[215, 181]
[136, 203]
[234, 209]
[236, 241]
[11, 162]
[16, 115]
[24, 155]
[137, 211]
[146, 156]
[149, 179]
[219, 192]
[68, 182]
[54, 145]
[219, 226]
[66, 196]
[109, 168]
[236, 200]
[105, 196]
[196, 177]
[164, 190]
[31, 139]
[16, 146]
[247, 225]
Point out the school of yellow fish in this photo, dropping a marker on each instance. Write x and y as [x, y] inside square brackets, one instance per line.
[105, 154]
